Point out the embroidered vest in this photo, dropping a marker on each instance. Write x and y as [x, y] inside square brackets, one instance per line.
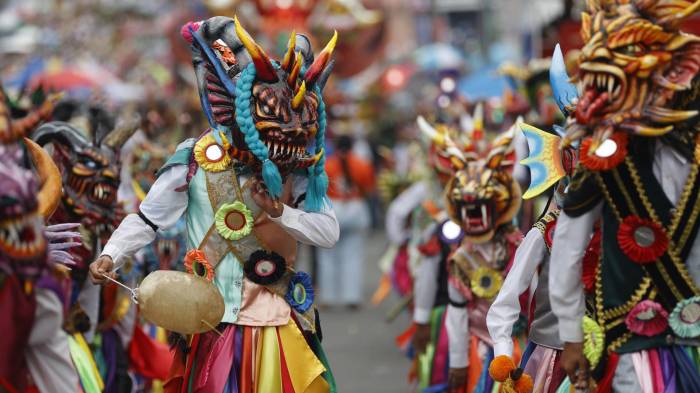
[638, 220]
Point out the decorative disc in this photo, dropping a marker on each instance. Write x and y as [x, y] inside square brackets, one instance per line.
[234, 220]
[265, 267]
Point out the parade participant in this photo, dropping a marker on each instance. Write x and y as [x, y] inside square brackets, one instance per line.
[34, 346]
[550, 168]
[250, 191]
[422, 204]
[639, 154]
[482, 199]
[89, 170]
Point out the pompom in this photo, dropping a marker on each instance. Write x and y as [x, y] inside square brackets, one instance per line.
[185, 30]
[500, 368]
[524, 384]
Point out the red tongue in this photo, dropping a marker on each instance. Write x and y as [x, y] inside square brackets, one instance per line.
[590, 105]
[27, 234]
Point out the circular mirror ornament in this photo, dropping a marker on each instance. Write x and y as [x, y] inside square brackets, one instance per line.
[450, 232]
[300, 293]
[196, 263]
[647, 318]
[210, 155]
[641, 240]
[486, 282]
[607, 155]
[685, 318]
[234, 220]
[265, 267]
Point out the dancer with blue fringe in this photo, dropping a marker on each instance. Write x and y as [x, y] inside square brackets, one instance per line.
[251, 188]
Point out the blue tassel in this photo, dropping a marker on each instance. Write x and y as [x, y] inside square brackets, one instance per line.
[316, 190]
[272, 178]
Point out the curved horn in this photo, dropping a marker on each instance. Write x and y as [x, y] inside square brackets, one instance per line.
[290, 56]
[315, 70]
[265, 70]
[49, 195]
[440, 139]
[122, 132]
[564, 91]
[223, 28]
[325, 75]
[62, 132]
[303, 46]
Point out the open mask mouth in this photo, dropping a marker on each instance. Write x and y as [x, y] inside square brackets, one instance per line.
[22, 237]
[602, 88]
[476, 217]
[290, 154]
[104, 194]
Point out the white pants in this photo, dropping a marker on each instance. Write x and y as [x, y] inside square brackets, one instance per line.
[341, 269]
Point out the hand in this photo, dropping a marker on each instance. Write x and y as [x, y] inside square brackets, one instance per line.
[575, 364]
[421, 337]
[456, 379]
[262, 198]
[102, 265]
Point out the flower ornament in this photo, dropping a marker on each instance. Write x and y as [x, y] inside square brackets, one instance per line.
[265, 267]
[593, 341]
[642, 240]
[685, 318]
[486, 282]
[234, 220]
[608, 155]
[647, 318]
[591, 259]
[300, 294]
[196, 263]
[210, 155]
[549, 232]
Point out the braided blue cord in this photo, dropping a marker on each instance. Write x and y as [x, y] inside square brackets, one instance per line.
[316, 175]
[244, 118]
[318, 179]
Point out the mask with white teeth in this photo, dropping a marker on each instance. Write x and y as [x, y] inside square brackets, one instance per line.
[89, 171]
[637, 71]
[483, 195]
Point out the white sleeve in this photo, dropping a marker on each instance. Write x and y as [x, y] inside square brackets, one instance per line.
[47, 353]
[571, 238]
[163, 206]
[425, 288]
[505, 309]
[400, 209]
[319, 229]
[457, 324]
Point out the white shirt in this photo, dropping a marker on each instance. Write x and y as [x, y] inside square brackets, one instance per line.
[425, 287]
[400, 210]
[48, 356]
[571, 240]
[505, 310]
[163, 206]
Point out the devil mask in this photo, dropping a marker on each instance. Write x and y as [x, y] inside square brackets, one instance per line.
[271, 113]
[89, 171]
[637, 73]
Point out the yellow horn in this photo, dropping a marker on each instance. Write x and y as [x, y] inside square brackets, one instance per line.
[299, 97]
[50, 177]
[265, 71]
[294, 73]
[289, 57]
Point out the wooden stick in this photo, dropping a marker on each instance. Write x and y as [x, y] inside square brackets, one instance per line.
[212, 327]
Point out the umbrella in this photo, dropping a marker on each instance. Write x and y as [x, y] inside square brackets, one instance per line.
[482, 83]
[437, 57]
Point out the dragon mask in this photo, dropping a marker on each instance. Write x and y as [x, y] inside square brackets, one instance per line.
[272, 112]
[637, 72]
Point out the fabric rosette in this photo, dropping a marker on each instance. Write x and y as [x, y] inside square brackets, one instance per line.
[300, 294]
[593, 341]
[647, 318]
[641, 240]
[234, 220]
[196, 263]
[265, 267]
[486, 282]
[685, 318]
[210, 155]
[608, 155]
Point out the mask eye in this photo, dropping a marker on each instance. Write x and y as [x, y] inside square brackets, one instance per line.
[7, 201]
[632, 49]
[88, 163]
